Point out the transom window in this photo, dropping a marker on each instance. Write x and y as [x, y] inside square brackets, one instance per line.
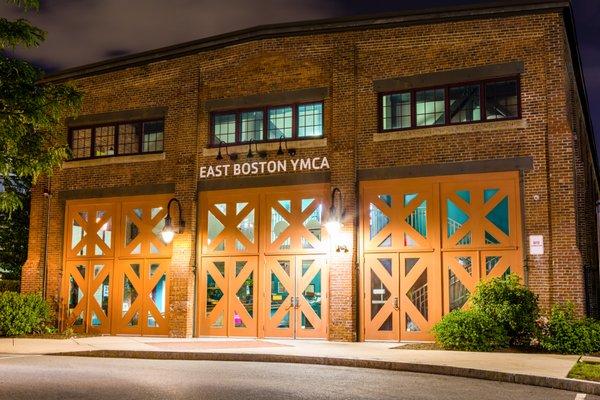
[117, 139]
[297, 121]
[488, 100]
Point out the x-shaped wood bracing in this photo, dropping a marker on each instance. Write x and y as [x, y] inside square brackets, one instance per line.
[296, 230]
[230, 221]
[90, 228]
[477, 223]
[397, 225]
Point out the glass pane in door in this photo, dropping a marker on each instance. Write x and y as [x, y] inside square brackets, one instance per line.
[278, 295]
[158, 295]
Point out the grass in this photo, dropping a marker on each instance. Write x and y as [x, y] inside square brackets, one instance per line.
[585, 370]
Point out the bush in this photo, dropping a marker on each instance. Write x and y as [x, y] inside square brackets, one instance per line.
[470, 330]
[9, 286]
[563, 332]
[511, 304]
[22, 313]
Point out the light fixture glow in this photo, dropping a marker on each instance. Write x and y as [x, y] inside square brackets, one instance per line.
[333, 227]
[334, 223]
[167, 235]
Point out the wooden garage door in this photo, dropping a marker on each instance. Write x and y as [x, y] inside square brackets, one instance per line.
[426, 242]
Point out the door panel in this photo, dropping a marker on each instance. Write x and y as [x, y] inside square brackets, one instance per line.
[420, 288]
[142, 298]
[76, 294]
[381, 297]
[279, 276]
[243, 297]
[99, 300]
[228, 296]
[156, 295]
[312, 298]
[128, 291]
[90, 230]
[293, 221]
[229, 222]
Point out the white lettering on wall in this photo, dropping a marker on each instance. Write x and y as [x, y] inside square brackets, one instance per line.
[262, 167]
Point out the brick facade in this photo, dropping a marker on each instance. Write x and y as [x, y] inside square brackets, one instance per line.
[558, 193]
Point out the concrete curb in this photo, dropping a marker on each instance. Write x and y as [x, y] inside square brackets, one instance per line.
[573, 385]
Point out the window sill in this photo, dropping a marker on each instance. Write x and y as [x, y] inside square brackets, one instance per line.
[93, 162]
[451, 129]
[268, 146]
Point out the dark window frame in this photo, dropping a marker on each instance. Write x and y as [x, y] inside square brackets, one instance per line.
[482, 104]
[265, 131]
[116, 138]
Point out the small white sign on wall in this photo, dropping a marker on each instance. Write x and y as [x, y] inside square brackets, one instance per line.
[536, 245]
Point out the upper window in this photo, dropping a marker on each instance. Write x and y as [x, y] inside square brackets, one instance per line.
[451, 104]
[117, 139]
[269, 123]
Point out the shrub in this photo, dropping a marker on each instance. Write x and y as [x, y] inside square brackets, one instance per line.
[511, 304]
[9, 286]
[22, 313]
[470, 330]
[563, 332]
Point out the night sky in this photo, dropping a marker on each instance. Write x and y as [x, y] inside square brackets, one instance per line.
[85, 31]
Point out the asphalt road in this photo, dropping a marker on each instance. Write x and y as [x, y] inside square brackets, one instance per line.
[46, 377]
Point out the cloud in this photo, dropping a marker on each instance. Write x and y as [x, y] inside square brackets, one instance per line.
[81, 32]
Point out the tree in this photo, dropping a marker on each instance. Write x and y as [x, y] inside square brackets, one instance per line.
[31, 141]
[32, 113]
[14, 232]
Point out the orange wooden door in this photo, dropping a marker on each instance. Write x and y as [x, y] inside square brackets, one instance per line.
[279, 276]
[228, 296]
[311, 297]
[433, 238]
[128, 291]
[88, 297]
[100, 296]
[297, 298]
[142, 297]
[382, 300]
[420, 294]
[76, 294]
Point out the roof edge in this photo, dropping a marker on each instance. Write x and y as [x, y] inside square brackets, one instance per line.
[307, 27]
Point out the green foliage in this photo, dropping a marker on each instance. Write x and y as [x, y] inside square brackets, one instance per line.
[511, 304]
[586, 371]
[9, 285]
[14, 232]
[503, 312]
[22, 314]
[563, 332]
[470, 330]
[31, 112]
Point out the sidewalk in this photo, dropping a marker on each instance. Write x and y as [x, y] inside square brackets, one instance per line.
[534, 369]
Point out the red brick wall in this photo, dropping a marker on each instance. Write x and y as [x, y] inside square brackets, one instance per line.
[347, 63]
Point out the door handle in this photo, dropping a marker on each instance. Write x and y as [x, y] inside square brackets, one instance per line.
[396, 303]
[297, 303]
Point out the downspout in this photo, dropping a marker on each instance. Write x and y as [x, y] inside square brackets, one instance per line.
[357, 210]
[196, 222]
[598, 249]
[48, 196]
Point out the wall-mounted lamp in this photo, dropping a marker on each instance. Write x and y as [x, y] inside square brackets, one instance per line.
[261, 153]
[336, 215]
[291, 152]
[250, 154]
[232, 156]
[168, 231]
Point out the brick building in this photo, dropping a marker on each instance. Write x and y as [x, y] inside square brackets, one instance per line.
[454, 138]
